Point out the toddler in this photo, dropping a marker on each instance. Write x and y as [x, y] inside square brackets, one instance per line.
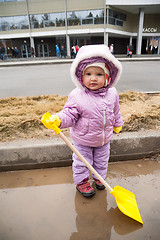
[92, 112]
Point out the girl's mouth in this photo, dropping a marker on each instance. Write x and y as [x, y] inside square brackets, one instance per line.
[93, 84]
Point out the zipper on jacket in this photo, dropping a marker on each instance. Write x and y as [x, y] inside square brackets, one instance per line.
[103, 129]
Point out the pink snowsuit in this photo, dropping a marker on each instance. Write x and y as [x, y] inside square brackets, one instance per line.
[91, 115]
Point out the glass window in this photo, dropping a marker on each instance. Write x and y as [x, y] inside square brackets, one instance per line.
[58, 19]
[47, 20]
[85, 17]
[12, 23]
[21, 22]
[35, 21]
[119, 23]
[4, 25]
[112, 21]
[116, 18]
[99, 17]
[73, 18]
[122, 16]
[53, 20]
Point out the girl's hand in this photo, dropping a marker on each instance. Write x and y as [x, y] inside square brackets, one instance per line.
[117, 129]
[54, 119]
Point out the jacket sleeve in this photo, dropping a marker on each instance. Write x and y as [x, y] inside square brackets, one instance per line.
[70, 113]
[118, 117]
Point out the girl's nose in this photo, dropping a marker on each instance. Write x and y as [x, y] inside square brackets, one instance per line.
[93, 77]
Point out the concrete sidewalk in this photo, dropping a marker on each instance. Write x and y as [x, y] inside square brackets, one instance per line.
[32, 154]
[54, 60]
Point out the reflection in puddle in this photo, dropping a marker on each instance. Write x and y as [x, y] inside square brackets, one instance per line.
[45, 212]
[94, 221]
[44, 204]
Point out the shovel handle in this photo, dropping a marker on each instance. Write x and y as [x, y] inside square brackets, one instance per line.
[70, 145]
[126, 205]
[53, 126]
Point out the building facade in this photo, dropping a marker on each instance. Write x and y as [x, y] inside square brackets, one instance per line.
[35, 27]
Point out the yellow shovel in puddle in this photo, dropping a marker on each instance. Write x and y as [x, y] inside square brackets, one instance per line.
[125, 199]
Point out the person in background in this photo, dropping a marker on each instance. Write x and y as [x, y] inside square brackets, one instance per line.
[130, 50]
[111, 48]
[16, 51]
[63, 52]
[77, 49]
[2, 51]
[57, 51]
[32, 52]
[73, 52]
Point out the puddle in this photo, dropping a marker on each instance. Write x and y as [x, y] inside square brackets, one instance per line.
[44, 204]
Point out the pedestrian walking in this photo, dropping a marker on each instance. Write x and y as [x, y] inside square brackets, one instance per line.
[77, 49]
[130, 50]
[13, 52]
[57, 51]
[16, 51]
[73, 52]
[32, 52]
[92, 112]
[2, 51]
[62, 52]
[127, 51]
[111, 48]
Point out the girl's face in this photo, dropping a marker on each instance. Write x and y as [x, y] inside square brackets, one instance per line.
[94, 78]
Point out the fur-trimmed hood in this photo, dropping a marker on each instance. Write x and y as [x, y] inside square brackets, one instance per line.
[94, 53]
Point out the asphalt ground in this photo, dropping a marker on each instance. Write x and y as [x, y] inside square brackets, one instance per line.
[34, 77]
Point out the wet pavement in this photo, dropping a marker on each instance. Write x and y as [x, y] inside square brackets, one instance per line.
[44, 204]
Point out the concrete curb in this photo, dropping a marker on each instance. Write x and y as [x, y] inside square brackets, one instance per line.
[33, 154]
[35, 62]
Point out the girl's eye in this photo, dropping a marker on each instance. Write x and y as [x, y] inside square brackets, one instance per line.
[99, 74]
[88, 74]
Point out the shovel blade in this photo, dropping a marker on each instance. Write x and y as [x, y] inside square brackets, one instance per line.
[126, 203]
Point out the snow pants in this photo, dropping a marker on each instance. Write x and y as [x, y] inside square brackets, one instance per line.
[97, 157]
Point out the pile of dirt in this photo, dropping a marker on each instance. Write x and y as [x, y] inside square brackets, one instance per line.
[140, 111]
[20, 116]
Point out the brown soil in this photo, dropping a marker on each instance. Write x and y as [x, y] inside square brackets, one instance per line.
[20, 116]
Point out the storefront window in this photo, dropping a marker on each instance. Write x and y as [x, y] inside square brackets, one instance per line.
[52, 20]
[12, 23]
[73, 19]
[58, 19]
[35, 21]
[47, 20]
[152, 45]
[85, 17]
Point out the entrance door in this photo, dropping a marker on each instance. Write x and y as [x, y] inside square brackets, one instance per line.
[25, 51]
[43, 50]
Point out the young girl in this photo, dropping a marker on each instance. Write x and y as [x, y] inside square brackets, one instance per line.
[92, 112]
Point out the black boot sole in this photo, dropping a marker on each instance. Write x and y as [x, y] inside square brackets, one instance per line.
[87, 195]
[100, 187]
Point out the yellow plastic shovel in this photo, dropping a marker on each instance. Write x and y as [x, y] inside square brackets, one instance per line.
[125, 199]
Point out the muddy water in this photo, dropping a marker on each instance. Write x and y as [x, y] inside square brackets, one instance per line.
[44, 204]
